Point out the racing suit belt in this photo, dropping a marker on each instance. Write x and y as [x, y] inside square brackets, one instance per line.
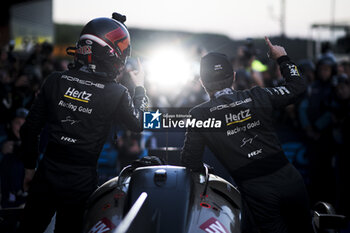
[260, 167]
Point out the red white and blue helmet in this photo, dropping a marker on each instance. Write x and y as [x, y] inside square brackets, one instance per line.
[104, 44]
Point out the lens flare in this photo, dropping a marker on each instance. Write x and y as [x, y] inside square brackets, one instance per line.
[169, 68]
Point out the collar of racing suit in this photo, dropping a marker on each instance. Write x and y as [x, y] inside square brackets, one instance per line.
[86, 69]
[225, 91]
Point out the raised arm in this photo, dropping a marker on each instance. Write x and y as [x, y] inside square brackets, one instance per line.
[132, 109]
[294, 85]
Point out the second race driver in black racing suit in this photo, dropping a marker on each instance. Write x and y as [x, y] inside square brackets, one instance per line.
[247, 144]
[78, 106]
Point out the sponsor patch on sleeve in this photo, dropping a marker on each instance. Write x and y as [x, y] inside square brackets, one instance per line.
[293, 70]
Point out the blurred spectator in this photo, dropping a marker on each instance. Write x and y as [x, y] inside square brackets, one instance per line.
[6, 96]
[316, 120]
[344, 68]
[20, 77]
[341, 126]
[12, 169]
[307, 68]
[326, 51]
[248, 68]
[271, 76]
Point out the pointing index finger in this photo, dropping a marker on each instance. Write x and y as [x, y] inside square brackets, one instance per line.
[268, 42]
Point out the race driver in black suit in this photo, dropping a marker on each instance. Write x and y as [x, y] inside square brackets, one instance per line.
[247, 145]
[78, 107]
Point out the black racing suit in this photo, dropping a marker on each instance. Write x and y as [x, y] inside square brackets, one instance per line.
[78, 108]
[248, 147]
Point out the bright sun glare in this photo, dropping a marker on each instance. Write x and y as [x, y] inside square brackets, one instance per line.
[169, 68]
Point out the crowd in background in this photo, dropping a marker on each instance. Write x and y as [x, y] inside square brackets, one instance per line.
[314, 132]
[20, 78]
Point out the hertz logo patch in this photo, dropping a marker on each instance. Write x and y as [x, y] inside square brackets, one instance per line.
[81, 96]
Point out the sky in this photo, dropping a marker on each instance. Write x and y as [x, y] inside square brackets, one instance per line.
[234, 18]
